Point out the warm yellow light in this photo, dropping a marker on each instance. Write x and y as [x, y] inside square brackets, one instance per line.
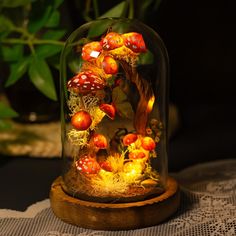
[150, 104]
[133, 169]
[105, 174]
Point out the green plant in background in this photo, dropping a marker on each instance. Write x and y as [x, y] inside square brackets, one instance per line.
[6, 113]
[31, 38]
[30, 41]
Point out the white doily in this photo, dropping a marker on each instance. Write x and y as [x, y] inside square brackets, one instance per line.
[208, 208]
[210, 193]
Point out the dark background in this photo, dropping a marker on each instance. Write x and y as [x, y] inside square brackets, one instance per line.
[200, 38]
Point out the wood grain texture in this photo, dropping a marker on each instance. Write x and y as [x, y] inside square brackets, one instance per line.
[118, 216]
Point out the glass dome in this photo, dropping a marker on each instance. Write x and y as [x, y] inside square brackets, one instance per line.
[114, 109]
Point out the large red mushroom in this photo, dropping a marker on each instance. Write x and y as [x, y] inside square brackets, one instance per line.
[134, 41]
[85, 82]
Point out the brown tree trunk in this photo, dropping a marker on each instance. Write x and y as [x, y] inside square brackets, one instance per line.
[145, 94]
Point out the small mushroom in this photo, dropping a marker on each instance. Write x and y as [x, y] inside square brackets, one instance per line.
[87, 165]
[134, 41]
[85, 82]
[81, 120]
[136, 154]
[99, 141]
[91, 51]
[109, 109]
[129, 138]
[148, 143]
[109, 65]
[112, 41]
[105, 165]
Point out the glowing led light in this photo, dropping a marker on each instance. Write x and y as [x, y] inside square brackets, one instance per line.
[150, 103]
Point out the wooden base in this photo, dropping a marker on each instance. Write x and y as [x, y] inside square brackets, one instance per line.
[118, 216]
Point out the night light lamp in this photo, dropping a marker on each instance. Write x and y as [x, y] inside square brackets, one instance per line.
[114, 95]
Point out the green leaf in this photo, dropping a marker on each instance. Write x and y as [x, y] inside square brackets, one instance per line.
[111, 81]
[39, 20]
[10, 54]
[54, 34]
[125, 110]
[57, 3]
[44, 51]
[144, 5]
[53, 20]
[123, 107]
[116, 11]
[5, 125]
[6, 24]
[157, 4]
[120, 27]
[118, 96]
[14, 3]
[41, 77]
[6, 111]
[17, 70]
[54, 61]
[145, 58]
[3, 34]
[99, 27]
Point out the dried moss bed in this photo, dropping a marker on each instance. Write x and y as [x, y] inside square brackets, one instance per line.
[78, 186]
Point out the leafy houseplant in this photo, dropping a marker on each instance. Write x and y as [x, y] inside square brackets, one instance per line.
[31, 40]
[6, 113]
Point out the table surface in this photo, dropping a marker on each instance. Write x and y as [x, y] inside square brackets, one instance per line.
[208, 201]
[208, 192]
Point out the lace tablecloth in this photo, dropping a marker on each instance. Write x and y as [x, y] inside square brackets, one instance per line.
[208, 207]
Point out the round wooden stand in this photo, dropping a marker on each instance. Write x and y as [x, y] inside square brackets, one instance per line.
[117, 216]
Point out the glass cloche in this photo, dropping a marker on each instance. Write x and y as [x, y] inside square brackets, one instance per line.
[114, 110]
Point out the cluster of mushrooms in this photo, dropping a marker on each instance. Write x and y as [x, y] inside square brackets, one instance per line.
[101, 61]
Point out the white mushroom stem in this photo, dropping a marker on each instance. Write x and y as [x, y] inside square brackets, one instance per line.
[82, 102]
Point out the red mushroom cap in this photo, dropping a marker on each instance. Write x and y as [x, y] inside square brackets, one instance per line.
[87, 165]
[109, 65]
[100, 141]
[112, 41]
[91, 51]
[129, 138]
[105, 165]
[135, 42]
[136, 154]
[148, 143]
[81, 120]
[85, 82]
[109, 109]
